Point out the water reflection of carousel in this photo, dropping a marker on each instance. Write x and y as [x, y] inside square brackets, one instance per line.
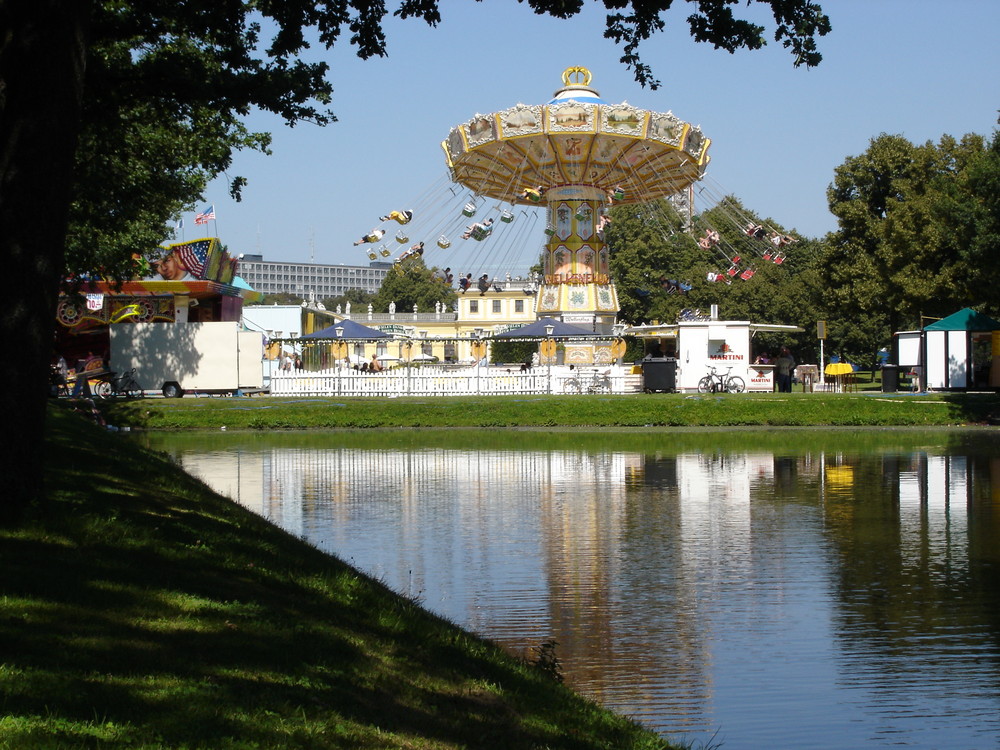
[579, 155]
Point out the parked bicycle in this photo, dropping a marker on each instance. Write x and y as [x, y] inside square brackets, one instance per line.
[716, 382]
[121, 384]
[596, 382]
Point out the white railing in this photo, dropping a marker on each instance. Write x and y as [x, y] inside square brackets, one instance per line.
[440, 381]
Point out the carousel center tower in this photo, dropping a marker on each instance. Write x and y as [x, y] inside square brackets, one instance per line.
[578, 155]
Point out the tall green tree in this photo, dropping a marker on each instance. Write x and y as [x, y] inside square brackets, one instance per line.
[652, 247]
[980, 215]
[649, 250]
[206, 65]
[358, 298]
[412, 283]
[914, 230]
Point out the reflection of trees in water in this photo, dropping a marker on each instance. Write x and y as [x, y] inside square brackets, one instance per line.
[910, 538]
[647, 567]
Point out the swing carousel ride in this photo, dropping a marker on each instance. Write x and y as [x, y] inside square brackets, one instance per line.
[569, 161]
[578, 155]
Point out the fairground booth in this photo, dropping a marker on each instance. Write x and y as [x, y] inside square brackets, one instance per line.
[192, 283]
[688, 349]
[959, 352]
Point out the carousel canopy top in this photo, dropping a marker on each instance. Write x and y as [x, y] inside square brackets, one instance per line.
[576, 146]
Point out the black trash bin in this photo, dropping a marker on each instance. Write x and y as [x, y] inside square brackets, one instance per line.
[890, 378]
[659, 375]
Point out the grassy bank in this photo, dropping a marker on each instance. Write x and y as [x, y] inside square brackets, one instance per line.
[641, 410]
[141, 610]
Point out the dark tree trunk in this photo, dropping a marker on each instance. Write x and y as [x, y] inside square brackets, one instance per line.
[42, 53]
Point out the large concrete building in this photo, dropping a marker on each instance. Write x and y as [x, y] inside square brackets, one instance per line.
[313, 281]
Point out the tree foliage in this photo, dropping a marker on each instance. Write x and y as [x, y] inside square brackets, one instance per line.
[916, 225]
[797, 23]
[358, 298]
[412, 283]
[652, 249]
[649, 251]
[155, 94]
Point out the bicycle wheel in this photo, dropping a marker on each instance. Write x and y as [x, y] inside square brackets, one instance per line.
[706, 384]
[571, 385]
[103, 389]
[131, 390]
[735, 384]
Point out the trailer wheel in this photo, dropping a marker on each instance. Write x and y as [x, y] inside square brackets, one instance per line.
[172, 390]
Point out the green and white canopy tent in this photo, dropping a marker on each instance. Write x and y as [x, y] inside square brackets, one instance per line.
[959, 352]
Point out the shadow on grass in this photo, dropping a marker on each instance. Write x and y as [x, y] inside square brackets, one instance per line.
[974, 408]
[142, 609]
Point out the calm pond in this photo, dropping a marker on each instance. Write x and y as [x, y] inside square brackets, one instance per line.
[749, 588]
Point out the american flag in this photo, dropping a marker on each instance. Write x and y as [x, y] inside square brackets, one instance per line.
[205, 216]
[193, 255]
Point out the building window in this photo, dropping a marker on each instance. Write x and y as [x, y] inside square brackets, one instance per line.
[519, 305]
[496, 307]
[474, 306]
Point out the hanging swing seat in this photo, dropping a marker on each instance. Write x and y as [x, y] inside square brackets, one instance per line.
[618, 193]
[767, 255]
[443, 242]
[372, 255]
[747, 274]
[582, 215]
[550, 230]
[402, 237]
[732, 270]
[384, 251]
[469, 210]
[481, 233]
[779, 258]
[506, 217]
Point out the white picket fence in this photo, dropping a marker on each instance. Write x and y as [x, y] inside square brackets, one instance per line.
[440, 381]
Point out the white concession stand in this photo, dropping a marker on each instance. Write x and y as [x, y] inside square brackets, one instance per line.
[698, 345]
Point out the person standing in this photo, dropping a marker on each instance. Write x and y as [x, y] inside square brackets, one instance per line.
[784, 365]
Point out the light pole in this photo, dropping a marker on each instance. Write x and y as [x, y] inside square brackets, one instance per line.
[476, 353]
[339, 349]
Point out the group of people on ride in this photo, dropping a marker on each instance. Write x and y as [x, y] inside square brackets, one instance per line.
[413, 251]
[376, 234]
[478, 230]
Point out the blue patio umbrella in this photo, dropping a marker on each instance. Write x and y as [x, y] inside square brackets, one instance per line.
[351, 330]
[537, 330]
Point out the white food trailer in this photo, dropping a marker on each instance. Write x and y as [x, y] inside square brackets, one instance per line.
[179, 358]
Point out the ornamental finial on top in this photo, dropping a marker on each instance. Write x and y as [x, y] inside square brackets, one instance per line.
[576, 76]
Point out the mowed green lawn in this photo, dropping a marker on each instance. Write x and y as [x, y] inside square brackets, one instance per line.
[639, 410]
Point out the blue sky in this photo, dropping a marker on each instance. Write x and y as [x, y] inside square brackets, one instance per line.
[919, 68]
